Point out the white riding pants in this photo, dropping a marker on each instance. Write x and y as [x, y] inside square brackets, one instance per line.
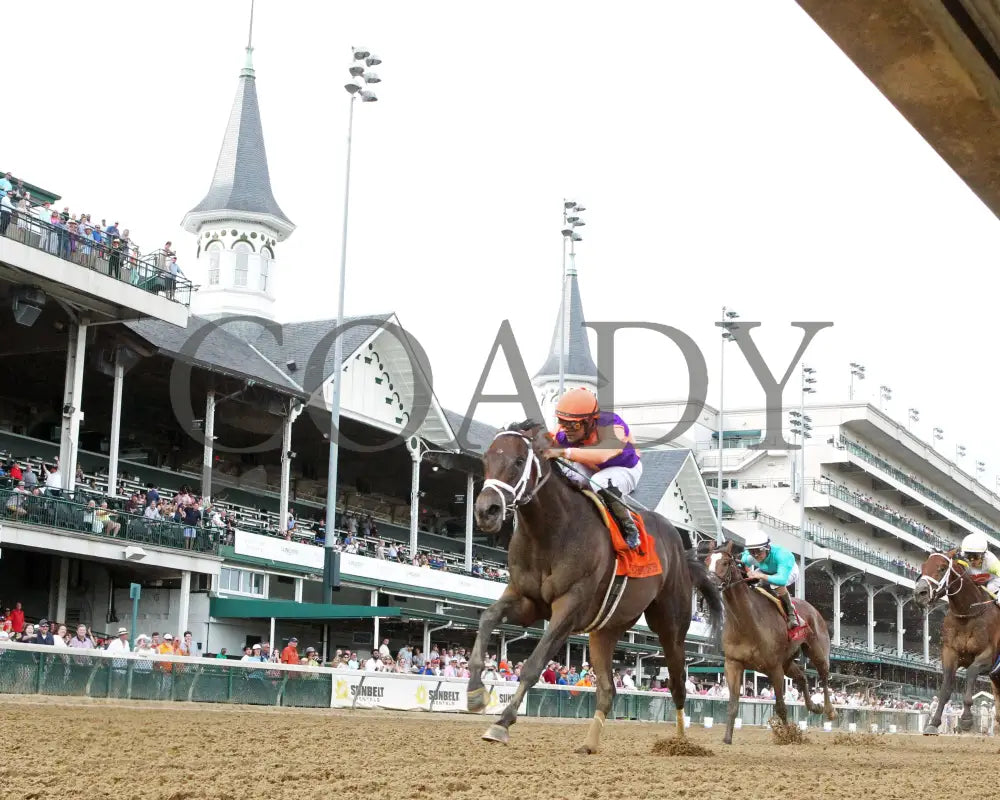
[624, 479]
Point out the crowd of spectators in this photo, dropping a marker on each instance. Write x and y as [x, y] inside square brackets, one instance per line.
[73, 236]
[877, 508]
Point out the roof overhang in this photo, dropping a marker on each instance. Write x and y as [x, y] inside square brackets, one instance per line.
[253, 608]
[194, 220]
[938, 63]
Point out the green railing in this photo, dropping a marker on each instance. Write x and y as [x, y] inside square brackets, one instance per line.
[866, 455]
[39, 670]
[816, 534]
[51, 511]
[847, 496]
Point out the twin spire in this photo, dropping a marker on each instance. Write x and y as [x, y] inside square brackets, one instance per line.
[241, 182]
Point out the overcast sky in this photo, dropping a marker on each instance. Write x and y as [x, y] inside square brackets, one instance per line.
[728, 153]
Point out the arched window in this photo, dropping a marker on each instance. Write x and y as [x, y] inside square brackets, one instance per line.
[214, 250]
[242, 250]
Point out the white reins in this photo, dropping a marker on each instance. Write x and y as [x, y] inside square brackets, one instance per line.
[940, 587]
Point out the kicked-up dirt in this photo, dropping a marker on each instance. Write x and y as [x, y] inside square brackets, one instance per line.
[92, 749]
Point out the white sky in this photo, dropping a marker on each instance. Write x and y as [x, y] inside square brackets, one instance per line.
[728, 153]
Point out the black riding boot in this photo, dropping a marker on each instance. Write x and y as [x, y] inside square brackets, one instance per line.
[786, 602]
[612, 497]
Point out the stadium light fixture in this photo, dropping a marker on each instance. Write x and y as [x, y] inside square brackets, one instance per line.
[857, 371]
[729, 317]
[571, 221]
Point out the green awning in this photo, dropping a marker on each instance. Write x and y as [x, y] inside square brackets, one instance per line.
[726, 508]
[737, 435]
[251, 608]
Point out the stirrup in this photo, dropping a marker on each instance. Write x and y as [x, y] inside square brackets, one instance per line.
[996, 667]
[632, 540]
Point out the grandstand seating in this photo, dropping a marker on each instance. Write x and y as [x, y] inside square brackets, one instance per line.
[250, 519]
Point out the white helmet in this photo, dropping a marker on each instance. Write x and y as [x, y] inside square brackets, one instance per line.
[756, 540]
[974, 543]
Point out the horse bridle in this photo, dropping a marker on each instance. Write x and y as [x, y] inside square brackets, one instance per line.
[519, 491]
[939, 588]
[734, 567]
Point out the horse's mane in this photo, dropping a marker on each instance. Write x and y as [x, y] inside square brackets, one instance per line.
[526, 426]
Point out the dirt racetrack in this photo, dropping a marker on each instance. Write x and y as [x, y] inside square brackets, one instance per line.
[88, 749]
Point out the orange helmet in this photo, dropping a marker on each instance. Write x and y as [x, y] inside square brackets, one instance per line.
[577, 404]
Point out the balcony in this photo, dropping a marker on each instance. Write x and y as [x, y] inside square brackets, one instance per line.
[841, 544]
[922, 532]
[48, 511]
[109, 281]
[898, 475]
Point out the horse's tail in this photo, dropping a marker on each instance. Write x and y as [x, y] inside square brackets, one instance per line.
[705, 586]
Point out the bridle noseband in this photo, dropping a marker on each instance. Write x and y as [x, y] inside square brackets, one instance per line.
[939, 588]
[519, 491]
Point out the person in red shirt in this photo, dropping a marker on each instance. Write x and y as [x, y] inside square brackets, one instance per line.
[290, 655]
[549, 676]
[17, 619]
[15, 473]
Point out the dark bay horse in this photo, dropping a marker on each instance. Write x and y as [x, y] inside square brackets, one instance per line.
[755, 637]
[970, 632]
[562, 563]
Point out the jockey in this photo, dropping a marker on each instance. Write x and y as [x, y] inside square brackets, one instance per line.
[774, 565]
[983, 565]
[601, 445]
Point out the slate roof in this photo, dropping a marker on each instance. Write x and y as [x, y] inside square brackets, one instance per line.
[241, 181]
[659, 468]
[577, 358]
[480, 435]
[220, 350]
[300, 340]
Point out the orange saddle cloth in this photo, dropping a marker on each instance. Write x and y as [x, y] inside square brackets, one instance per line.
[643, 562]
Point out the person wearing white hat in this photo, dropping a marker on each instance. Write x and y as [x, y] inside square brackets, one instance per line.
[120, 644]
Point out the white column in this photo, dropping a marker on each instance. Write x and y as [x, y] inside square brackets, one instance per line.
[373, 600]
[206, 462]
[72, 399]
[414, 501]
[286, 467]
[836, 609]
[871, 618]
[326, 642]
[298, 590]
[116, 428]
[566, 662]
[62, 592]
[927, 637]
[469, 501]
[427, 639]
[271, 639]
[185, 603]
[503, 646]
[900, 602]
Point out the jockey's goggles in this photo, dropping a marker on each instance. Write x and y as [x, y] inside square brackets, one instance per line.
[573, 424]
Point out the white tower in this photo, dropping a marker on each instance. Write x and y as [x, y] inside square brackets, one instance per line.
[239, 222]
[579, 368]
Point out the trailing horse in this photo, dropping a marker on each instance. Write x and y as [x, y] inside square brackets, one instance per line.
[755, 637]
[562, 568]
[970, 632]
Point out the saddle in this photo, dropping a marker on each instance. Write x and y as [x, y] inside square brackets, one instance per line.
[643, 562]
[798, 633]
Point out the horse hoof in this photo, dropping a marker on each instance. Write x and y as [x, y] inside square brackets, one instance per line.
[497, 733]
[727, 741]
[965, 725]
[930, 730]
[584, 750]
[476, 700]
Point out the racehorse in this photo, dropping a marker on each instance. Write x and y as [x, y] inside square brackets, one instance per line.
[755, 637]
[970, 633]
[562, 565]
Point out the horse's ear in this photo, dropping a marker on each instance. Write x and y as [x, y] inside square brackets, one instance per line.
[711, 546]
[729, 547]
